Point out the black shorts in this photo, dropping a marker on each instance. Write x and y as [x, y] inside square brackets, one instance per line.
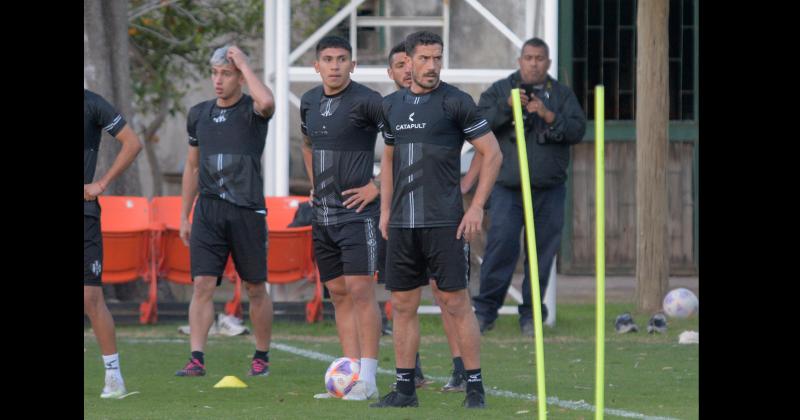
[220, 228]
[92, 251]
[349, 249]
[413, 256]
[382, 260]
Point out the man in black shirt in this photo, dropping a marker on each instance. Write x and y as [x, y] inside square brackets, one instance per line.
[400, 72]
[226, 141]
[98, 116]
[422, 215]
[553, 121]
[340, 121]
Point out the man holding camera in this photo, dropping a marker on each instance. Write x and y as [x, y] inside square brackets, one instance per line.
[553, 121]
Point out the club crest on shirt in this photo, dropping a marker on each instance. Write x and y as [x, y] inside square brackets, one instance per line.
[96, 267]
[220, 118]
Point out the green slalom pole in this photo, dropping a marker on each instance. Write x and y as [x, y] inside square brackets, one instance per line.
[533, 263]
[600, 248]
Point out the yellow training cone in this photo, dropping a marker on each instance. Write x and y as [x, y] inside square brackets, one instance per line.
[230, 382]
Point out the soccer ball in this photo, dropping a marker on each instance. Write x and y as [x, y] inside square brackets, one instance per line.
[341, 376]
[680, 303]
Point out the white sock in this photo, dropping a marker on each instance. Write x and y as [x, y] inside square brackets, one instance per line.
[112, 364]
[369, 368]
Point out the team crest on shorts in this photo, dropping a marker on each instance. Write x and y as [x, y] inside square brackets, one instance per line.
[96, 267]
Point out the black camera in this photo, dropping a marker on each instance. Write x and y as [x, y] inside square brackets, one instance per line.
[528, 88]
[531, 90]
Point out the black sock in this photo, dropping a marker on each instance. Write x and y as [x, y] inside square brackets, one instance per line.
[418, 368]
[263, 355]
[199, 356]
[474, 381]
[405, 381]
[458, 365]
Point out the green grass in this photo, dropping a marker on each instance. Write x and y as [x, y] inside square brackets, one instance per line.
[651, 375]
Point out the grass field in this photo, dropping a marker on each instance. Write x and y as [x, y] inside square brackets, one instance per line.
[647, 376]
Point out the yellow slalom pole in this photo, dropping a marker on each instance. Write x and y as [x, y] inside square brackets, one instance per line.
[533, 263]
[600, 248]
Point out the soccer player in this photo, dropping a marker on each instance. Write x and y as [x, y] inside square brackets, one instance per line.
[226, 140]
[340, 120]
[98, 116]
[400, 72]
[422, 215]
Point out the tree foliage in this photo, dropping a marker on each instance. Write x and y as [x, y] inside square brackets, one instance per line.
[171, 42]
[314, 14]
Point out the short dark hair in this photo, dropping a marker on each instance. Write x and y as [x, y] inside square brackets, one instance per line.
[333, 41]
[536, 42]
[421, 38]
[399, 48]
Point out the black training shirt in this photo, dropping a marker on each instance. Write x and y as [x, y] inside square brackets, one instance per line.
[427, 133]
[98, 115]
[342, 129]
[231, 141]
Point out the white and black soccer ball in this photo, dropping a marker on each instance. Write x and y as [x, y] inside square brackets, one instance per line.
[680, 303]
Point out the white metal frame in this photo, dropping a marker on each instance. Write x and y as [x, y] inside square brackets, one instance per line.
[279, 73]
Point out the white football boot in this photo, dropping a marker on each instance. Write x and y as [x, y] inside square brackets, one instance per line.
[115, 387]
[362, 391]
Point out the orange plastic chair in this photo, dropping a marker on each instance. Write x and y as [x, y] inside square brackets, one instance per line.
[172, 256]
[128, 247]
[290, 256]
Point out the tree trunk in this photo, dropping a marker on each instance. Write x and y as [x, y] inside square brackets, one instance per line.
[107, 72]
[150, 139]
[652, 114]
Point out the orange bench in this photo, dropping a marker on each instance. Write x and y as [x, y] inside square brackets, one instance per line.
[128, 247]
[290, 255]
[142, 239]
[172, 256]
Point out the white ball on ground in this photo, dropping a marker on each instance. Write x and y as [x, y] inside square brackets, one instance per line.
[680, 303]
[341, 376]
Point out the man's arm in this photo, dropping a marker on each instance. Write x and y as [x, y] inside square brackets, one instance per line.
[189, 186]
[494, 106]
[361, 196]
[575, 120]
[487, 146]
[370, 113]
[565, 125]
[263, 101]
[387, 189]
[472, 173]
[130, 148]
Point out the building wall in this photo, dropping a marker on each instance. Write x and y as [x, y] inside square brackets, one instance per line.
[620, 211]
